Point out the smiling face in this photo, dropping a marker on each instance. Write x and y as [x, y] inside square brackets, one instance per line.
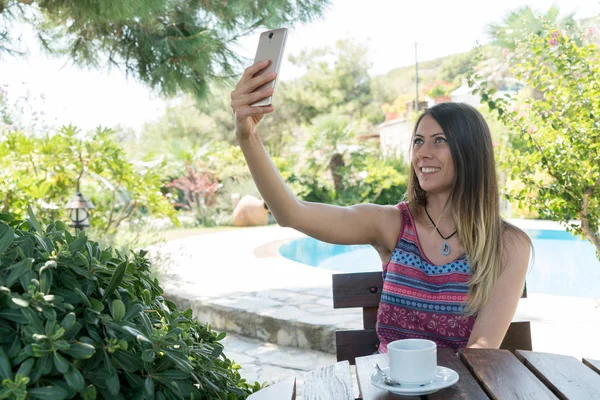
[431, 157]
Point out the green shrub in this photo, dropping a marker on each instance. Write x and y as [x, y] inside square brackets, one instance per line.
[44, 170]
[367, 177]
[79, 321]
[384, 179]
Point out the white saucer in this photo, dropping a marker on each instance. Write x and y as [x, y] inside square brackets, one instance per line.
[445, 377]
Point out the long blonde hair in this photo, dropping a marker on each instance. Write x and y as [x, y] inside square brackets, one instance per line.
[474, 197]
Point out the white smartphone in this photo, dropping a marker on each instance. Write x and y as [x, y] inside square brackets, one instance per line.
[271, 46]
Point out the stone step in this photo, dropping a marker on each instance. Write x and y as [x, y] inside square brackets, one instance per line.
[309, 326]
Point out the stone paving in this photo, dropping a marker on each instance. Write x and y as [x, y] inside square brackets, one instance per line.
[235, 281]
[271, 298]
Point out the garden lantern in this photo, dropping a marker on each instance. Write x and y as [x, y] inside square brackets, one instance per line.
[79, 207]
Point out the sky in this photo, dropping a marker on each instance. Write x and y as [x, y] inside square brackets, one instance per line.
[89, 98]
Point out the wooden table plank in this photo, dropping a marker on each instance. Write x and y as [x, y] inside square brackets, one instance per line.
[331, 382]
[466, 387]
[503, 376]
[364, 370]
[593, 364]
[279, 391]
[566, 376]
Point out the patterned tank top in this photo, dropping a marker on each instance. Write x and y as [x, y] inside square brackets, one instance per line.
[422, 300]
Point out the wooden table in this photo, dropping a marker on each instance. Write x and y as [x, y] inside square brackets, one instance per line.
[484, 374]
[499, 374]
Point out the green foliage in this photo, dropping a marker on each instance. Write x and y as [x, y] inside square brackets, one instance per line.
[226, 174]
[367, 178]
[172, 46]
[227, 162]
[336, 81]
[399, 105]
[5, 115]
[225, 165]
[372, 178]
[181, 127]
[79, 321]
[322, 114]
[455, 67]
[44, 171]
[330, 140]
[199, 187]
[401, 81]
[560, 124]
[439, 88]
[363, 175]
[187, 124]
[520, 23]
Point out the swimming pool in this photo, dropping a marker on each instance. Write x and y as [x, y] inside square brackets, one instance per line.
[564, 265]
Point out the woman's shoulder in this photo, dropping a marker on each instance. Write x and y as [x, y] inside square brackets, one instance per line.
[391, 225]
[513, 235]
[517, 245]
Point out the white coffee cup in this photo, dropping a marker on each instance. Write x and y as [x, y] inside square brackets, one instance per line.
[413, 361]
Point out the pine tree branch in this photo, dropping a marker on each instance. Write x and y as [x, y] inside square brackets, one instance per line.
[249, 30]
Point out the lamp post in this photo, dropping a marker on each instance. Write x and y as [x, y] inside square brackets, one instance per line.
[416, 80]
[79, 206]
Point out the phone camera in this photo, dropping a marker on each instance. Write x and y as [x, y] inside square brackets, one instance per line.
[271, 35]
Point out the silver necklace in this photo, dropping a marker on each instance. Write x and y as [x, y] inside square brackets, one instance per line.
[446, 249]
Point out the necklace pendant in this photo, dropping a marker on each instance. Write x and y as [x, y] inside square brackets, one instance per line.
[445, 249]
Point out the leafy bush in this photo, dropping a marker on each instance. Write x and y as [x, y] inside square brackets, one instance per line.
[372, 178]
[44, 171]
[204, 178]
[367, 177]
[559, 151]
[79, 321]
[439, 88]
[199, 187]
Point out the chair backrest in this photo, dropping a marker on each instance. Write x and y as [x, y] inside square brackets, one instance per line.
[363, 289]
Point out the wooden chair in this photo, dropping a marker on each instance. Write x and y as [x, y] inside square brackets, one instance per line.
[363, 289]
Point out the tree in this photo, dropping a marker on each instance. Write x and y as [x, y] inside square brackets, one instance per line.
[455, 67]
[516, 27]
[172, 45]
[336, 80]
[199, 187]
[5, 115]
[520, 23]
[561, 128]
[439, 89]
[43, 172]
[330, 137]
[182, 126]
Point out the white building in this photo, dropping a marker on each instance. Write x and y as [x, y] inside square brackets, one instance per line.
[395, 137]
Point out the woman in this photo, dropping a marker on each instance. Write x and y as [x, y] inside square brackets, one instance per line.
[453, 269]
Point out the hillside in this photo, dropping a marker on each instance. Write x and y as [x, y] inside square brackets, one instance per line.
[451, 68]
[401, 80]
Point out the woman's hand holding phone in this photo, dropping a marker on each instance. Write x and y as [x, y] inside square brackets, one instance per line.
[246, 116]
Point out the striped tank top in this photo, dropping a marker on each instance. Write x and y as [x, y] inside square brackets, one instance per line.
[422, 300]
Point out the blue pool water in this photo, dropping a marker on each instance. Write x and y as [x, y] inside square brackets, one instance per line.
[564, 265]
